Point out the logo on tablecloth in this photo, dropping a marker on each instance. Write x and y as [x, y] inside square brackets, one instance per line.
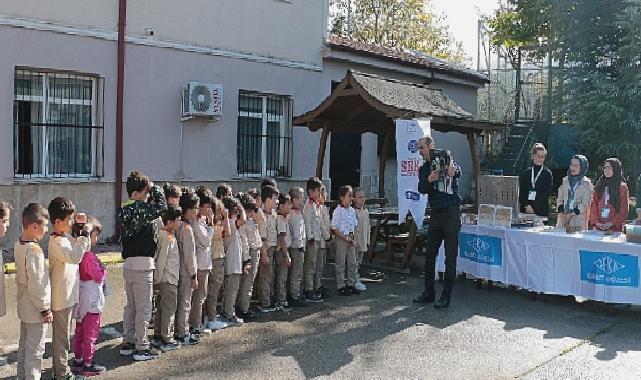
[613, 269]
[481, 249]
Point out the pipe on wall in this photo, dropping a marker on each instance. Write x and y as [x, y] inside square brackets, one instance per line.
[120, 94]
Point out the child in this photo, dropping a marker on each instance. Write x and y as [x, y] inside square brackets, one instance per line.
[269, 236]
[223, 190]
[34, 291]
[323, 247]
[136, 218]
[91, 302]
[344, 223]
[361, 235]
[237, 262]
[65, 253]
[166, 278]
[172, 194]
[281, 256]
[297, 249]
[5, 216]
[312, 217]
[217, 274]
[203, 234]
[187, 279]
[251, 235]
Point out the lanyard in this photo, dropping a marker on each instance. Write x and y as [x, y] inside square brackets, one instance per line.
[535, 179]
[572, 190]
[607, 197]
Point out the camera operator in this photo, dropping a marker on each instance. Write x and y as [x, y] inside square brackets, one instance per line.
[445, 222]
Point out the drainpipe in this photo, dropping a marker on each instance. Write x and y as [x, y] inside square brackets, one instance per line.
[120, 88]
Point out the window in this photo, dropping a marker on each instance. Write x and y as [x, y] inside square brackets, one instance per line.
[264, 135]
[57, 123]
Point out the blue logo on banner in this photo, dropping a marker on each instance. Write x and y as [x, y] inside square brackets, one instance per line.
[613, 269]
[481, 249]
[412, 146]
[412, 195]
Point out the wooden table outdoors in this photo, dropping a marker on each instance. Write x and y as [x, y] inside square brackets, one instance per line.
[382, 219]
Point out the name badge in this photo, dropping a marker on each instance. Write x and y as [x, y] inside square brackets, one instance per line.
[605, 213]
[571, 205]
[531, 196]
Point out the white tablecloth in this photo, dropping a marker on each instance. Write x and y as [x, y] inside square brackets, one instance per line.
[587, 265]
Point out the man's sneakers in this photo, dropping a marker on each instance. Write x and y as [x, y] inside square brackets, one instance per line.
[92, 370]
[217, 324]
[312, 297]
[145, 355]
[127, 349]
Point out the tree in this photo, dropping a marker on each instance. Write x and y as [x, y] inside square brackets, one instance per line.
[402, 24]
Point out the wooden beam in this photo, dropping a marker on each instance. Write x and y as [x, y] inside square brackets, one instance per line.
[357, 111]
[321, 151]
[471, 138]
[346, 92]
[348, 126]
[383, 162]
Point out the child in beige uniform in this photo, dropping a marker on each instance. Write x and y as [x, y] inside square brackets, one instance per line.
[297, 248]
[237, 262]
[5, 216]
[34, 292]
[269, 235]
[324, 246]
[217, 274]
[65, 253]
[361, 235]
[166, 279]
[281, 256]
[312, 217]
[250, 232]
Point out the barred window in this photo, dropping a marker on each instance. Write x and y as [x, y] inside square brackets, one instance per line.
[264, 135]
[58, 130]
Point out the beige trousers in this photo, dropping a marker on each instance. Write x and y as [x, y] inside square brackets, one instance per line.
[216, 279]
[60, 342]
[31, 347]
[232, 284]
[198, 300]
[247, 282]
[321, 256]
[139, 285]
[282, 270]
[345, 257]
[309, 270]
[296, 271]
[265, 279]
[166, 310]
[183, 306]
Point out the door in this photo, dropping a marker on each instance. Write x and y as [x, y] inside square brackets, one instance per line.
[345, 161]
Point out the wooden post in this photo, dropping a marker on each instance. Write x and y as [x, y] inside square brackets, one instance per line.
[321, 151]
[471, 138]
[382, 163]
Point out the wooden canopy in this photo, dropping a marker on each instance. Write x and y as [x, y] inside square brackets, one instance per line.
[364, 103]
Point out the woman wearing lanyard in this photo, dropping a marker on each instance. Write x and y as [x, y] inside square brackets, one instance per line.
[574, 197]
[609, 207]
[535, 184]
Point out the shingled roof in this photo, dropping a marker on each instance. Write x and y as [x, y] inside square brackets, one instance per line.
[408, 58]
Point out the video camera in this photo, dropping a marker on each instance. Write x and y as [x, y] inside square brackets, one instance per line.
[441, 159]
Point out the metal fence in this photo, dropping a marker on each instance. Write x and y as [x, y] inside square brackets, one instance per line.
[58, 124]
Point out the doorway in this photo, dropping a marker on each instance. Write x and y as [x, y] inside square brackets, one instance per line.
[344, 161]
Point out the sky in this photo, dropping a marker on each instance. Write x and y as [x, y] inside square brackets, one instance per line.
[462, 16]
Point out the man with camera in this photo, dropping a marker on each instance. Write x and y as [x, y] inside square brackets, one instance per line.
[438, 178]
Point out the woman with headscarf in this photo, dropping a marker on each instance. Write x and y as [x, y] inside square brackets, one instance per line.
[574, 196]
[609, 207]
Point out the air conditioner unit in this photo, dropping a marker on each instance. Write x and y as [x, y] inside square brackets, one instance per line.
[202, 100]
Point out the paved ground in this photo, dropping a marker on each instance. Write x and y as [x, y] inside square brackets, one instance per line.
[381, 334]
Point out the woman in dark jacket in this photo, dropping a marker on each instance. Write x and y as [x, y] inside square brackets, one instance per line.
[535, 184]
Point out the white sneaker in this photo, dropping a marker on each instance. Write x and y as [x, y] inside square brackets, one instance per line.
[217, 324]
[360, 286]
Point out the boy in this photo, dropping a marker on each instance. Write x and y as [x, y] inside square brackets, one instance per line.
[34, 292]
[297, 249]
[361, 234]
[138, 249]
[312, 218]
[252, 236]
[323, 247]
[166, 278]
[65, 253]
[281, 256]
[269, 236]
[203, 234]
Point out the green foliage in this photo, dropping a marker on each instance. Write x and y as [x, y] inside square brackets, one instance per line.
[403, 24]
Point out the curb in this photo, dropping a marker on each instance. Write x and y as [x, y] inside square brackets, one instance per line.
[111, 258]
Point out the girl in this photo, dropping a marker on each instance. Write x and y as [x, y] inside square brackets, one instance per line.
[91, 303]
[609, 207]
[237, 262]
[323, 246]
[223, 190]
[217, 274]
[535, 184]
[5, 215]
[187, 281]
[574, 197]
[344, 223]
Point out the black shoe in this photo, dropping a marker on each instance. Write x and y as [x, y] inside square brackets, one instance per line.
[344, 291]
[353, 290]
[425, 298]
[249, 315]
[322, 292]
[298, 302]
[310, 296]
[92, 370]
[442, 303]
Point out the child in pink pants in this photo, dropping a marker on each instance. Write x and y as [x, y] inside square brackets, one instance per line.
[88, 309]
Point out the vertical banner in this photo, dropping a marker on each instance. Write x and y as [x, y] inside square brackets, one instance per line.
[408, 132]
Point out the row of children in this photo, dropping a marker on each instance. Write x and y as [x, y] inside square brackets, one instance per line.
[183, 249]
